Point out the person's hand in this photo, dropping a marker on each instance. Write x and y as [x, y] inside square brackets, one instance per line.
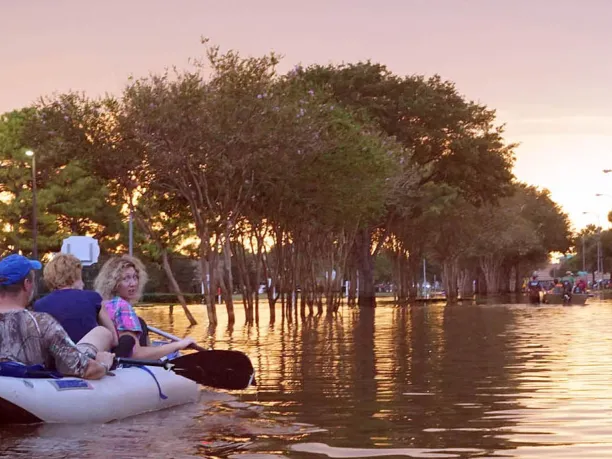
[105, 359]
[185, 343]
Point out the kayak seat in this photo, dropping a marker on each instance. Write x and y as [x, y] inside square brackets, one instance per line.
[144, 336]
[126, 343]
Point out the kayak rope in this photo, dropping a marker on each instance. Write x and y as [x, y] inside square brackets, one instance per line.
[161, 394]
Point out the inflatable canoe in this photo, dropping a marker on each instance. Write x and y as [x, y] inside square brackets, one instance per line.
[132, 391]
[558, 298]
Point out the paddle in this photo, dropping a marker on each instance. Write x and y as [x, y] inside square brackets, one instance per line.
[220, 369]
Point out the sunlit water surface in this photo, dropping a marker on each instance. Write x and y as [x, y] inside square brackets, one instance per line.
[420, 381]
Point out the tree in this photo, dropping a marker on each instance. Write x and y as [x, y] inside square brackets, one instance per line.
[451, 226]
[245, 142]
[71, 125]
[585, 244]
[519, 233]
[203, 141]
[69, 200]
[450, 140]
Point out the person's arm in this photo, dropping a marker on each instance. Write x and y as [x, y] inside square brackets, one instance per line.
[97, 368]
[68, 359]
[130, 325]
[156, 352]
[105, 320]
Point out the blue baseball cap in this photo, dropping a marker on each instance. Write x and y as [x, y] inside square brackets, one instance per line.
[15, 268]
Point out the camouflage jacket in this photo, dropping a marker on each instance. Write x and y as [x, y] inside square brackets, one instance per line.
[37, 338]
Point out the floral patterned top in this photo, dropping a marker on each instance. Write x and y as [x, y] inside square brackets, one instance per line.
[123, 315]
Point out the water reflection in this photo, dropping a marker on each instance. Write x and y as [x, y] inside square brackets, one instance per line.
[411, 381]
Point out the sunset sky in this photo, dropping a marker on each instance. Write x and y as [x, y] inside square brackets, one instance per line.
[545, 65]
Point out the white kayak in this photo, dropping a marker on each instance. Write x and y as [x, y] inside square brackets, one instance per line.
[131, 391]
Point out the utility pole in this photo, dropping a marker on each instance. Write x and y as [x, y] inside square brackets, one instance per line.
[31, 154]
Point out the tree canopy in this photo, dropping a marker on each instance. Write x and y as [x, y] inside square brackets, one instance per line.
[294, 181]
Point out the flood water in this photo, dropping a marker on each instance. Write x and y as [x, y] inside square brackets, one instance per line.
[424, 381]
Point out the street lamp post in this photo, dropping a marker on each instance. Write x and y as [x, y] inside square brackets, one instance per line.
[599, 251]
[131, 234]
[31, 154]
[583, 255]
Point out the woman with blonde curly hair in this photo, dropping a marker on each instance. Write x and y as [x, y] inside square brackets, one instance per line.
[120, 282]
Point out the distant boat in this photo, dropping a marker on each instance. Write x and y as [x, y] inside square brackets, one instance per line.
[576, 299]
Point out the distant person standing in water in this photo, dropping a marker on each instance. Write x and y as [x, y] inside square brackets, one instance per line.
[534, 288]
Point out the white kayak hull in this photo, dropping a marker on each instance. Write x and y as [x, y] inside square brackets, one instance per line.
[130, 392]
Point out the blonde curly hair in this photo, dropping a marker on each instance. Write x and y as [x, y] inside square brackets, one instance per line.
[111, 274]
[64, 270]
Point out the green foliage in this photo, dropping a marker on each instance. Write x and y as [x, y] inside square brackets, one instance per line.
[69, 199]
[585, 248]
[317, 159]
[453, 141]
[15, 186]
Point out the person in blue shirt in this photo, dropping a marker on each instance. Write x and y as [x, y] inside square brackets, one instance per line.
[534, 288]
[78, 311]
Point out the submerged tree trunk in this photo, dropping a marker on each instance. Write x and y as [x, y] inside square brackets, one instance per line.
[144, 225]
[505, 278]
[258, 267]
[413, 272]
[227, 265]
[207, 282]
[517, 278]
[246, 287]
[365, 260]
[449, 268]
[465, 284]
[490, 265]
[351, 294]
[175, 287]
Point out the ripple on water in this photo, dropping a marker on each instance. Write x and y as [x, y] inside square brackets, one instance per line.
[422, 381]
[330, 451]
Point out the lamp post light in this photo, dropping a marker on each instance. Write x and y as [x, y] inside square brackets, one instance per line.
[31, 154]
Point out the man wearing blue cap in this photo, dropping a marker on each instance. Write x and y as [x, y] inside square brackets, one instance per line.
[33, 338]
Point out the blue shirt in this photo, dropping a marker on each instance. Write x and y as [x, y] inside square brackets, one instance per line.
[76, 310]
